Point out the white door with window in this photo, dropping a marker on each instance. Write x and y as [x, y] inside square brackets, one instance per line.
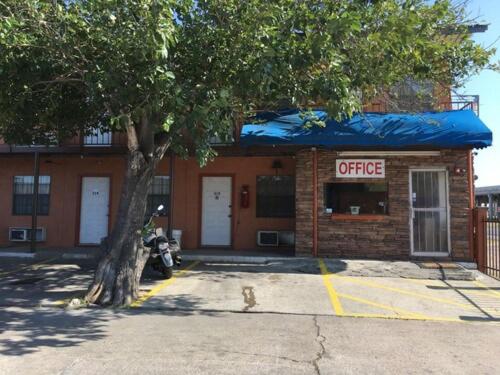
[429, 221]
[216, 211]
[94, 209]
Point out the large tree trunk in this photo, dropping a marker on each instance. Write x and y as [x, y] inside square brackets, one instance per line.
[118, 274]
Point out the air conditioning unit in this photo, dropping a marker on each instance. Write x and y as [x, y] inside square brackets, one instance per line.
[268, 238]
[286, 238]
[24, 234]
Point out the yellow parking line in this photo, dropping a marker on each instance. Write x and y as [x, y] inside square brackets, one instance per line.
[483, 286]
[163, 285]
[405, 317]
[407, 292]
[334, 299]
[42, 263]
[383, 307]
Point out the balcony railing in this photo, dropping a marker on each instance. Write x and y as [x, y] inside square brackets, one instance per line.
[95, 143]
[462, 102]
[116, 143]
[456, 103]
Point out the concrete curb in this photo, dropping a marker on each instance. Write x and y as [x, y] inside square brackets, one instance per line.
[239, 259]
[13, 254]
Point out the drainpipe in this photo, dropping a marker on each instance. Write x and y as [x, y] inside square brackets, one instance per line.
[170, 227]
[315, 202]
[472, 201]
[34, 202]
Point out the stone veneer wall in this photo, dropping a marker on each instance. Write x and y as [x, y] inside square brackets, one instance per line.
[389, 238]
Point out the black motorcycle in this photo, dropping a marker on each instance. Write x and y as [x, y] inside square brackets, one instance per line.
[164, 253]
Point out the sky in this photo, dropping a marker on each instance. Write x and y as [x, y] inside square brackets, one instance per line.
[487, 86]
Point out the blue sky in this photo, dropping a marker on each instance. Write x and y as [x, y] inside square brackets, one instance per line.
[487, 85]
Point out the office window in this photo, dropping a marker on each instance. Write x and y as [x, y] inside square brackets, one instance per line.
[360, 198]
[275, 196]
[23, 195]
[159, 194]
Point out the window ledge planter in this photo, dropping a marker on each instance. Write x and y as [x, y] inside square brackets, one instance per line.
[362, 217]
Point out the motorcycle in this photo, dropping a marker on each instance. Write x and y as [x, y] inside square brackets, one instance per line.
[164, 253]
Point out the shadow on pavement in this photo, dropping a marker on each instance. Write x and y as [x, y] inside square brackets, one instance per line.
[31, 329]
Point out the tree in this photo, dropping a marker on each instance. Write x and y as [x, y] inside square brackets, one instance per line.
[173, 73]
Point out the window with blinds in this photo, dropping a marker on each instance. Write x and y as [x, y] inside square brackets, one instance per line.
[159, 194]
[23, 195]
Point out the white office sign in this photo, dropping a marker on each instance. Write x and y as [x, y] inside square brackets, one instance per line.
[360, 168]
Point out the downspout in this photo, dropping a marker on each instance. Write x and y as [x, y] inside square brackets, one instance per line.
[34, 202]
[171, 198]
[472, 200]
[315, 202]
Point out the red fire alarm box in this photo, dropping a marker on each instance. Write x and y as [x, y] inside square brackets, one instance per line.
[245, 196]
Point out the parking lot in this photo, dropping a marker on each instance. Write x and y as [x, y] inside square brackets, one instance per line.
[289, 286]
[294, 316]
[309, 287]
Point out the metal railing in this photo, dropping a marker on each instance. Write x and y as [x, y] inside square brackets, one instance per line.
[94, 143]
[487, 243]
[462, 102]
[456, 103]
[492, 256]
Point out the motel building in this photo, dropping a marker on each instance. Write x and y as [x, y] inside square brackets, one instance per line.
[380, 185]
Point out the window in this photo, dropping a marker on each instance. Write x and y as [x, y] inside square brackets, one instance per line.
[356, 198]
[275, 196]
[159, 194]
[23, 195]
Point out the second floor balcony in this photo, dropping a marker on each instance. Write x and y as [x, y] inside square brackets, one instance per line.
[116, 143]
[96, 143]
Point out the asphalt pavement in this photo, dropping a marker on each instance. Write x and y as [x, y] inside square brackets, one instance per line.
[290, 317]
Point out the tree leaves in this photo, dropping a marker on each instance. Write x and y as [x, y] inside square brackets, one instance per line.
[196, 67]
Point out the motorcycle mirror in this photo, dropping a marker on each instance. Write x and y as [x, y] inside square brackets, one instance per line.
[160, 208]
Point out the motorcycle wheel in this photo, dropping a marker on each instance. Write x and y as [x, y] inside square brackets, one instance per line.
[167, 272]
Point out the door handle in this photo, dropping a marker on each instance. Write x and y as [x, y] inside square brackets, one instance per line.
[229, 215]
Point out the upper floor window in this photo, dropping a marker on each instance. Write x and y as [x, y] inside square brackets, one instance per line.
[98, 138]
[23, 195]
[159, 194]
[275, 196]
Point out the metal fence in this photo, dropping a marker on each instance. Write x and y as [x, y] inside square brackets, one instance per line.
[492, 244]
[487, 243]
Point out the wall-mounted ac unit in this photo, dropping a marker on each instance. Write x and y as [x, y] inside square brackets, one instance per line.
[267, 238]
[286, 238]
[24, 234]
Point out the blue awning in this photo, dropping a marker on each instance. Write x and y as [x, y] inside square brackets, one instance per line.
[451, 129]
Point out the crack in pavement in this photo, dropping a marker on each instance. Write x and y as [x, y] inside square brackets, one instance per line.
[321, 341]
[264, 355]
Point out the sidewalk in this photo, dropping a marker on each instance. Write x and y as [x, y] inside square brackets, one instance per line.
[90, 253]
[346, 267]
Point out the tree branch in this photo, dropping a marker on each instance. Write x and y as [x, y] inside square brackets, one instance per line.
[132, 140]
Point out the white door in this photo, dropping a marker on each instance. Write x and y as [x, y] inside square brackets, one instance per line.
[94, 209]
[429, 220]
[216, 211]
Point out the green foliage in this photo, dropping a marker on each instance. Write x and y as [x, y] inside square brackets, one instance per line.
[191, 68]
